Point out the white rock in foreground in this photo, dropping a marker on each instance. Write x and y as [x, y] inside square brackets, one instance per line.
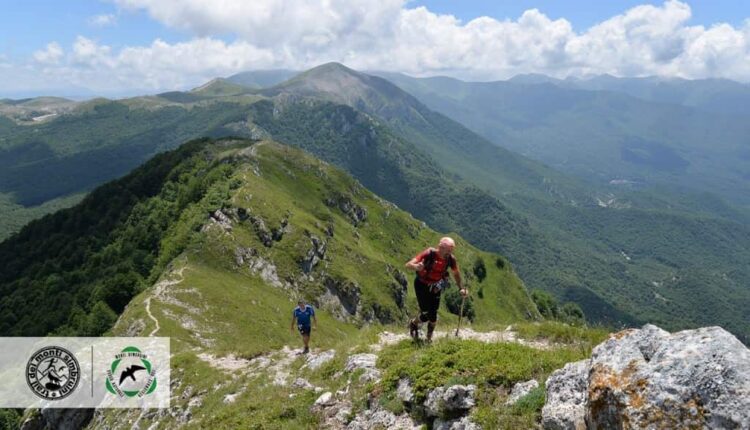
[565, 407]
[648, 378]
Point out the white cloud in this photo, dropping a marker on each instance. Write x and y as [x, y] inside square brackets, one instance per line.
[103, 20]
[49, 55]
[389, 35]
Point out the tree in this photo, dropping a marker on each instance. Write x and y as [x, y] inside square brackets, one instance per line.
[480, 270]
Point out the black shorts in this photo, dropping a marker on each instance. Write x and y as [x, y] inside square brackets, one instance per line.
[428, 301]
[304, 329]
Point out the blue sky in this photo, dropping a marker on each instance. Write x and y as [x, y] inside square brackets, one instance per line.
[26, 26]
[585, 13]
[141, 45]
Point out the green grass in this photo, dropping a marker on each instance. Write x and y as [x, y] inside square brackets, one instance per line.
[558, 332]
[469, 361]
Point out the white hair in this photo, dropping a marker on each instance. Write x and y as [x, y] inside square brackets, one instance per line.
[447, 241]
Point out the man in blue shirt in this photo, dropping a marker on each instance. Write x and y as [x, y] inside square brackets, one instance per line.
[302, 315]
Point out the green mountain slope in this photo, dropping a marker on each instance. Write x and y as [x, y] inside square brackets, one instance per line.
[709, 95]
[574, 247]
[562, 235]
[261, 78]
[226, 234]
[256, 216]
[601, 136]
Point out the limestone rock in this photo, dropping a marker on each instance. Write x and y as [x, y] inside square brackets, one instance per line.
[366, 362]
[241, 255]
[221, 219]
[325, 399]
[464, 423]
[314, 361]
[432, 404]
[230, 398]
[263, 233]
[648, 378]
[357, 214]
[451, 401]
[459, 398]
[565, 407]
[303, 383]
[404, 391]
[521, 389]
[316, 253]
[346, 292]
[382, 419]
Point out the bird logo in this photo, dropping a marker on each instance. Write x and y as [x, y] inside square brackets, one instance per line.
[131, 382]
[130, 372]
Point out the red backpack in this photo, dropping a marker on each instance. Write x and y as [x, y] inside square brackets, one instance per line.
[429, 261]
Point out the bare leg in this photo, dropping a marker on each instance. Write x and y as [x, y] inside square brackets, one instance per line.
[430, 329]
[306, 340]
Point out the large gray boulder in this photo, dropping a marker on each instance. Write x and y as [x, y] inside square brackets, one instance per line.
[565, 407]
[648, 378]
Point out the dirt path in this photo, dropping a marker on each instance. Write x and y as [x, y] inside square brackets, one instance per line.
[158, 291]
[277, 363]
[507, 335]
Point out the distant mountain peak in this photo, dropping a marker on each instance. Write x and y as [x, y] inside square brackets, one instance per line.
[338, 83]
[219, 87]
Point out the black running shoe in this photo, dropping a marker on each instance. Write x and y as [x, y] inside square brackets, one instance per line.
[413, 330]
[306, 350]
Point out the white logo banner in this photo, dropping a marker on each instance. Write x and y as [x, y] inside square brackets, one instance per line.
[84, 372]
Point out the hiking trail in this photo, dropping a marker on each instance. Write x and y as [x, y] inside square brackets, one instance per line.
[159, 292]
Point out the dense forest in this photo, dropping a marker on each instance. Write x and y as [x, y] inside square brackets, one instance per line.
[74, 271]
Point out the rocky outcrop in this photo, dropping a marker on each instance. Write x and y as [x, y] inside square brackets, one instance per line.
[451, 402]
[278, 233]
[356, 213]
[565, 407]
[314, 360]
[648, 378]
[346, 292]
[382, 419]
[404, 391]
[399, 287]
[219, 218]
[521, 389]
[242, 255]
[62, 419]
[366, 362]
[464, 423]
[314, 255]
[263, 233]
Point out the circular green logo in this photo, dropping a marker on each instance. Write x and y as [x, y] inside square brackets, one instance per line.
[131, 374]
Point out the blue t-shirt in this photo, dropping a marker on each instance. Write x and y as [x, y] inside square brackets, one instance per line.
[303, 316]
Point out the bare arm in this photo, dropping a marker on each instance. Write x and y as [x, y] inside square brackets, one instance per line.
[315, 322]
[292, 326]
[414, 265]
[459, 282]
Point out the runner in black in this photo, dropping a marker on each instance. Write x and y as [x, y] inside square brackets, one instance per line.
[432, 267]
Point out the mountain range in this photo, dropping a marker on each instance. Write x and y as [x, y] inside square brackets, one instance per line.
[624, 251]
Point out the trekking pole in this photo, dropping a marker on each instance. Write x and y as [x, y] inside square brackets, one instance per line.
[460, 314]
